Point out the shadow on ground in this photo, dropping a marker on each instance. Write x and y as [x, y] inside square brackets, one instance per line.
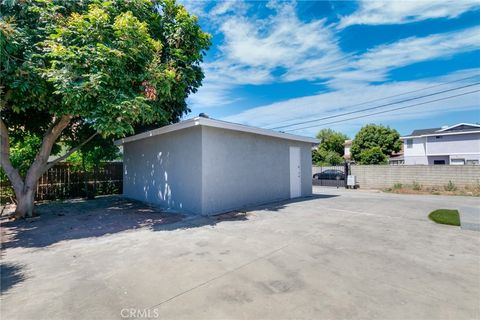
[77, 219]
[282, 204]
[10, 275]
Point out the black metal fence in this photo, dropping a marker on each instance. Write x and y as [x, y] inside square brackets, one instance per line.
[64, 181]
[330, 176]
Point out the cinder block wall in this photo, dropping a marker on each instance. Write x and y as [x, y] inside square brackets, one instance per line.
[385, 176]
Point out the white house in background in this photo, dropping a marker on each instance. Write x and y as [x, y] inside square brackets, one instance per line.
[456, 145]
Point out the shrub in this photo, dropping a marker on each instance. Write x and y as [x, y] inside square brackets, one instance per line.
[416, 186]
[324, 157]
[373, 156]
[450, 186]
[397, 186]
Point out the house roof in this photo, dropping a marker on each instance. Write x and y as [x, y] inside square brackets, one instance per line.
[460, 128]
[208, 122]
[420, 132]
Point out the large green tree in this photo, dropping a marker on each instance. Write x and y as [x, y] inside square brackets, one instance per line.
[331, 140]
[371, 136]
[331, 148]
[113, 66]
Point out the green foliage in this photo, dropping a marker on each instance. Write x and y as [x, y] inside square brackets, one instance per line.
[331, 149]
[370, 136]
[397, 186]
[317, 158]
[23, 152]
[75, 161]
[416, 186]
[95, 152]
[373, 155]
[450, 186]
[115, 66]
[322, 157]
[445, 216]
[331, 140]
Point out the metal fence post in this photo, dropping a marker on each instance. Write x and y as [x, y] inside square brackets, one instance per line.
[345, 169]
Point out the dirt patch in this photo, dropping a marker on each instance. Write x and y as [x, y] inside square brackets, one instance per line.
[447, 190]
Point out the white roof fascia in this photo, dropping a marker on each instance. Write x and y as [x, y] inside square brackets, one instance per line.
[215, 124]
[155, 132]
[460, 124]
[439, 134]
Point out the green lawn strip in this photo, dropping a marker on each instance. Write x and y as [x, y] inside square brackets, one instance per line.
[445, 216]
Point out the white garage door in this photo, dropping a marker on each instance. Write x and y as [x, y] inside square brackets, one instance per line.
[295, 172]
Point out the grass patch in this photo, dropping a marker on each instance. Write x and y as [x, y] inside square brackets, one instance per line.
[445, 216]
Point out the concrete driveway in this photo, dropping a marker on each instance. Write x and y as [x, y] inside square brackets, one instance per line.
[339, 255]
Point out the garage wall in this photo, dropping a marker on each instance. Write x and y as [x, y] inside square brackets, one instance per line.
[242, 169]
[165, 170]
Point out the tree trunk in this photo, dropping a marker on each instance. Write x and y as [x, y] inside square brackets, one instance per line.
[25, 204]
[25, 189]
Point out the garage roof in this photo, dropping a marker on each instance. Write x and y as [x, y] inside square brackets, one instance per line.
[201, 121]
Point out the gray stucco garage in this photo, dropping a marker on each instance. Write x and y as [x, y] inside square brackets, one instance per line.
[206, 166]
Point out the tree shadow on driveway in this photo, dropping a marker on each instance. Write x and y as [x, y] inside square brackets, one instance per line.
[277, 206]
[78, 219]
[236, 215]
[10, 275]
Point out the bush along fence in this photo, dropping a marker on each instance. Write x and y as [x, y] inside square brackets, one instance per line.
[64, 181]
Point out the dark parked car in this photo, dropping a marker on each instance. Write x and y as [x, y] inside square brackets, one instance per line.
[330, 174]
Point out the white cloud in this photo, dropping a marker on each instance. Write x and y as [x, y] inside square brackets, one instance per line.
[282, 48]
[224, 7]
[344, 100]
[212, 95]
[255, 50]
[377, 62]
[195, 7]
[281, 40]
[398, 12]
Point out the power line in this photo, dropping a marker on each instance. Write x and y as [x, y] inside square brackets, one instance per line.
[385, 111]
[376, 107]
[395, 95]
[388, 97]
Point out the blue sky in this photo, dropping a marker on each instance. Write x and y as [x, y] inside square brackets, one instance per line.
[276, 63]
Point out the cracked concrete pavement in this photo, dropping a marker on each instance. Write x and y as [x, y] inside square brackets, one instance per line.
[341, 254]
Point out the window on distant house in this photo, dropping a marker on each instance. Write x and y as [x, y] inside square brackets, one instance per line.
[438, 162]
[438, 137]
[409, 143]
[472, 162]
[457, 162]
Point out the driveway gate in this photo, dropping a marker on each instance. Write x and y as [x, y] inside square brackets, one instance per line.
[330, 176]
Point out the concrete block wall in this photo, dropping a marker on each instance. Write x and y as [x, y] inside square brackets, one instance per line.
[385, 176]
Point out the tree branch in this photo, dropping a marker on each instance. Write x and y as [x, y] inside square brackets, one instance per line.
[38, 166]
[66, 155]
[11, 172]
